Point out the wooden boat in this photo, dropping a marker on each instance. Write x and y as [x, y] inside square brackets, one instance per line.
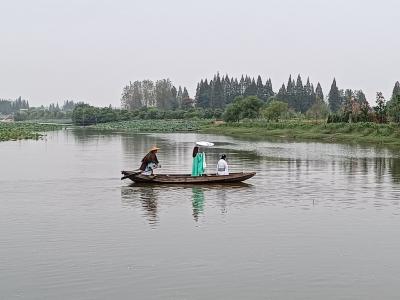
[186, 178]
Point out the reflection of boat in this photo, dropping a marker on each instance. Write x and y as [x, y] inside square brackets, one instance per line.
[186, 178]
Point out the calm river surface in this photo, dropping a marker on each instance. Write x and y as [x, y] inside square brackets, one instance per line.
[319, 221]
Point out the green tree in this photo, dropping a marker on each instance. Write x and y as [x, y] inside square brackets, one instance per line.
[282, 94]
[261, 92]
[233, 110]
[334, 98]
[251, 106]
[396, 91]
[203, 94]
[394, 109]
[251, 90]
[217, 98]
[269, 92]
[380, 108]
[319, 110]
[185, 93]
[186, 102]
[318, 92]
[243, 108]
[275, 110]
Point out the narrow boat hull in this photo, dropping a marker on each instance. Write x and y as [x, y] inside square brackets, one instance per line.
[186, 178]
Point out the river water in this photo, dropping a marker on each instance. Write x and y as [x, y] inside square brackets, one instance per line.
[318, 221]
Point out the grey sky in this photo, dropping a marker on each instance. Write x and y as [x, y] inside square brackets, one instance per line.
[88, 50]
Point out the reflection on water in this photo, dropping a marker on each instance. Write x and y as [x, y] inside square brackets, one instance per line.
[304, 175]
[318, 221]
[147, 198]
[197, 202]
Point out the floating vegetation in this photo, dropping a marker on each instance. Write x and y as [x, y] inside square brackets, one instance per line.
[154, 125]
[20, 131]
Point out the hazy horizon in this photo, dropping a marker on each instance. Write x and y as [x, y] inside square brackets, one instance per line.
[54, 51]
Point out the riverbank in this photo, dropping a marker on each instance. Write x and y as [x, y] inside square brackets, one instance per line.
[21, 131]
[371, 133]
[383, 134]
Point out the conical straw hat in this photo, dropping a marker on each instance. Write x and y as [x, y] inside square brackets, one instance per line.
[154, 148]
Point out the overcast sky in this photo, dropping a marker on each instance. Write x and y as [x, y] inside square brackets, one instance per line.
[88, 50]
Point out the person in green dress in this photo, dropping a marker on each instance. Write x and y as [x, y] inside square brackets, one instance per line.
[198, 164]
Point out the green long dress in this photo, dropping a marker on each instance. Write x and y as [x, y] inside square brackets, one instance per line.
[198, 165]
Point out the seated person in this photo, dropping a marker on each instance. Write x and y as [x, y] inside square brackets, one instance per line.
[222, 166]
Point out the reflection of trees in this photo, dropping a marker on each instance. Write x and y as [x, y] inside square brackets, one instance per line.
[379, 168]
[86, 135]
[394, 169]
[377, 165]
[145, 197]
[197, 202]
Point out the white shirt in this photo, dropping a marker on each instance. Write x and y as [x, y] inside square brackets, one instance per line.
[222, 167]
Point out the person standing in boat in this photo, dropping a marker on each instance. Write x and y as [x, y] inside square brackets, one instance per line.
[222, 166]
[199, 162]
[150, 162]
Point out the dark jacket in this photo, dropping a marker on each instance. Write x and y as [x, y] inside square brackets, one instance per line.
[150, 157]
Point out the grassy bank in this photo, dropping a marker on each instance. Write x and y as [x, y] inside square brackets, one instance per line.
[385, 134]
[372, 133]
[20, 131]
[154, 125]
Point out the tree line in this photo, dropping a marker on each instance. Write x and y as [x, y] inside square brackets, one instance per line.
[161, 94]
[220, 92]
[352, 106]
[85, 114]
[53, 111]
[12, 106]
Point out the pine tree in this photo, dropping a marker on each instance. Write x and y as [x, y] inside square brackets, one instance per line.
[396, 91]
[318, 92]
[251, 89]
[290, 85]
[335, 100]
[394, 104]
[308, 98]
[282, 94]
[203, 94]
[217, 98]
[236, 90]
[269, 92]
[227, 88]
[185, 93]
[242, 85]
[187, 102]
[261, 92]
[174, 99]
[179, 96]
[360, 97]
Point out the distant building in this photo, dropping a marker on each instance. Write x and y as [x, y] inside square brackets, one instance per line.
[6, 118]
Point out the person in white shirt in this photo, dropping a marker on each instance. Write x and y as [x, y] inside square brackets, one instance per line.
[222, 166]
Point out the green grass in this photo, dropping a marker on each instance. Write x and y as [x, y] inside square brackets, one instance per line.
[384, 134]
[21, 130]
